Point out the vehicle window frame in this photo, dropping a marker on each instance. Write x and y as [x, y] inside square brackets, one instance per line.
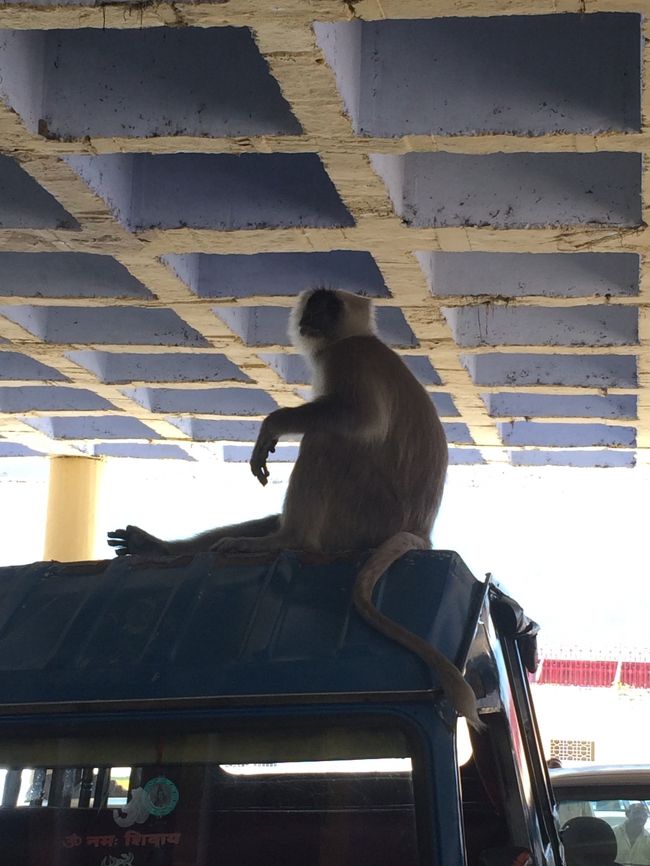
[526, 721]
[292, 720]
[589, 793]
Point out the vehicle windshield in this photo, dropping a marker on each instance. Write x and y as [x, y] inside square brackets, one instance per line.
[628, 816]
[251, 798]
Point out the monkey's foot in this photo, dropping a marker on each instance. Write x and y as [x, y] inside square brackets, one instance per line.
[136, 541]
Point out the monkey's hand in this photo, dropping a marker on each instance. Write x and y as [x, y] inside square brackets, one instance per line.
[266, 441]
[137, 541]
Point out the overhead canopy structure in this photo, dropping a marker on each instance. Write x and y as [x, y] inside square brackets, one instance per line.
[173, 174]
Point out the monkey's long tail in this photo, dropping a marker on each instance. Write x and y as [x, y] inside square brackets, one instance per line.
[457, 690]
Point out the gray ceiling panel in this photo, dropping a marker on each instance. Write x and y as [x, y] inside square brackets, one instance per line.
[467, 75]
[162, 81]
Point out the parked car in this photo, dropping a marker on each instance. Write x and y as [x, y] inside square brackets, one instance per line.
[600, 791]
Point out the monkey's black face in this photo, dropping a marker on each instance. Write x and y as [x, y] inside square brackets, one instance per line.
[321, 314]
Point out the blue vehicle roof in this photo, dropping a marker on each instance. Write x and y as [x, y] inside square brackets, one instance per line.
[191, 627]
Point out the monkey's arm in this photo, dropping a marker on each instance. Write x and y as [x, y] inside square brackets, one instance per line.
[331, 414]
[136, 541]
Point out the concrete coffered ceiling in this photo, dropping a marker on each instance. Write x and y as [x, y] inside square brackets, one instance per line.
[173, 174]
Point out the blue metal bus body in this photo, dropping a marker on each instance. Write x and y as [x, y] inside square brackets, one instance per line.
[256, 719]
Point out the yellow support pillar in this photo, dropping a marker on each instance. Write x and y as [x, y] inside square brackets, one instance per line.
[71, 508]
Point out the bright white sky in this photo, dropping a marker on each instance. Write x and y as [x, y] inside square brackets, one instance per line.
[572, 545]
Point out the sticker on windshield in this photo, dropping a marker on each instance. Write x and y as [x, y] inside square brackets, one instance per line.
[163, 796]
[158, 797]
[121, 860]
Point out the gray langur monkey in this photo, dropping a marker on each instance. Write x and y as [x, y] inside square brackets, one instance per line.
[370, 471]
